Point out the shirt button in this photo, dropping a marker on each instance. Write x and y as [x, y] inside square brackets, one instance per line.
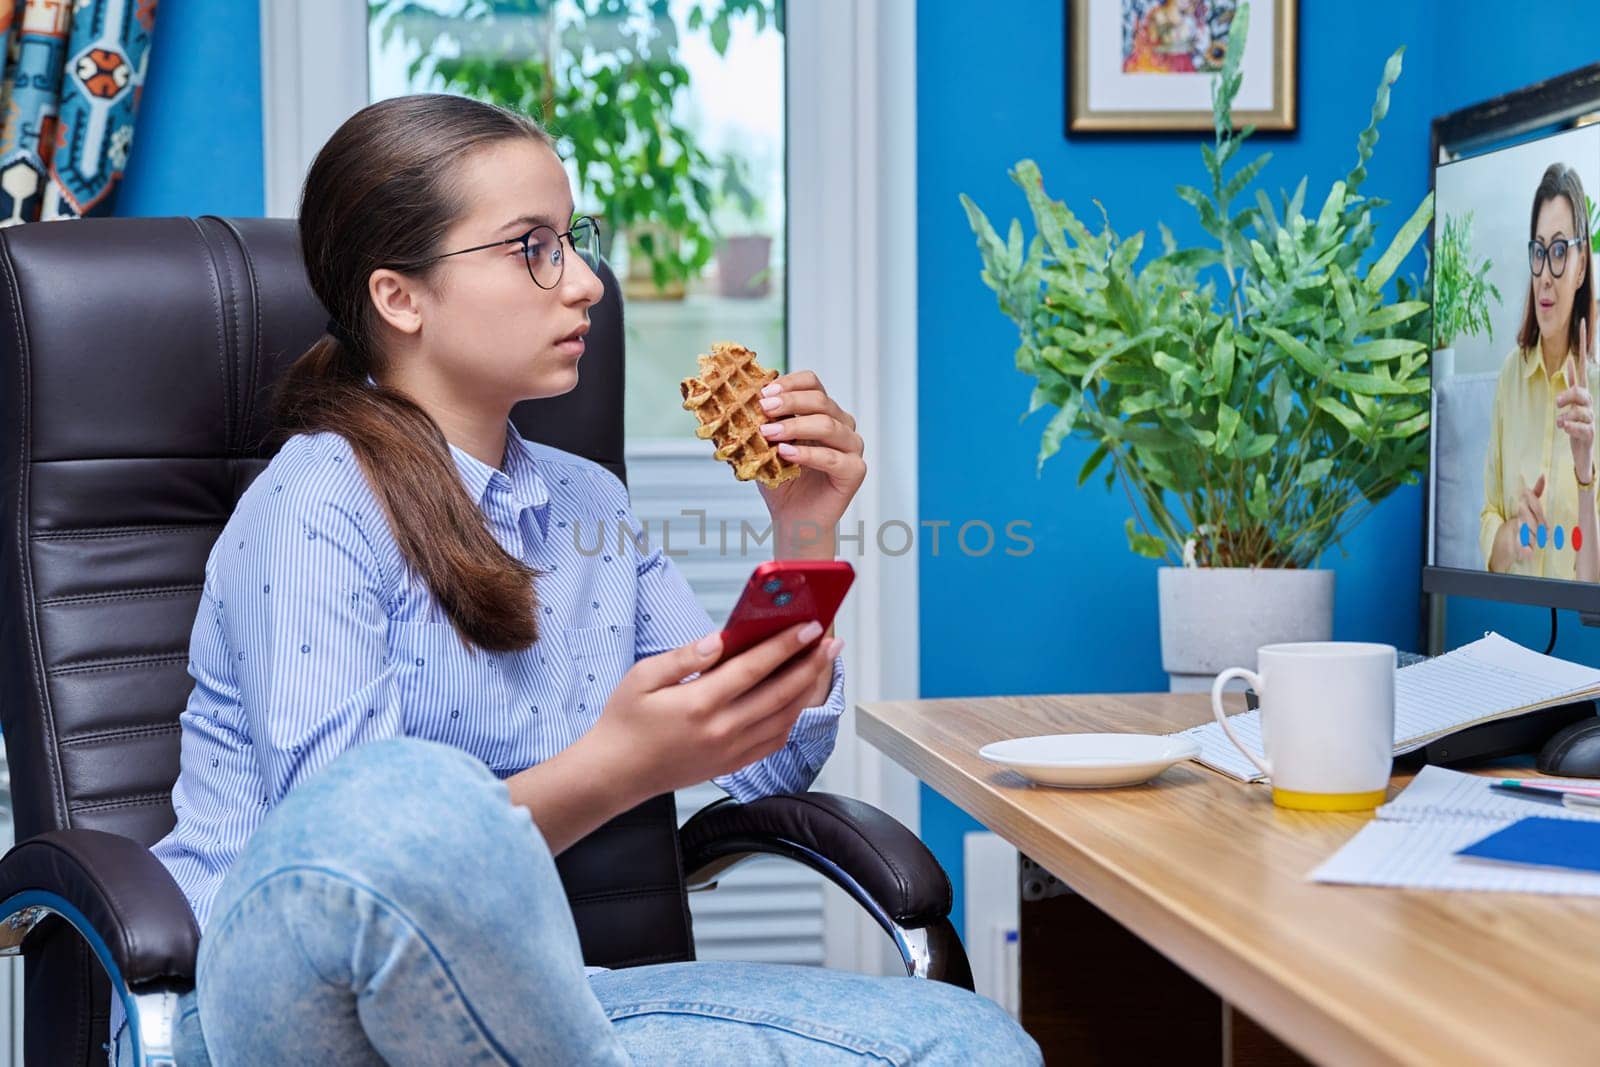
[606, 558]
[547, 611]
[305, 648]
[580, 707]
[591, 677]
[646, 618]
[215, 762]
[370, 712]
[534, 708]
[562, 525]
[596, 603]
[455, 715]
[613, 628]
[266, 589]
[419, 661]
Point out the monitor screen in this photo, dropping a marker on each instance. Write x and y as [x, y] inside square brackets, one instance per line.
[1512, 500]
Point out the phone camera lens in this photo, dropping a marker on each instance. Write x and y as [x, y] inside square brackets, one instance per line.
[782, 598]
[772, 585]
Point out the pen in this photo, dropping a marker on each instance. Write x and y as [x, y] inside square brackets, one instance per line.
[1543, 796]
[1540, 786]
[1581, 801]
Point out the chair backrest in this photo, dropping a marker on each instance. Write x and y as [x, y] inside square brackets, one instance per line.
[137, 358]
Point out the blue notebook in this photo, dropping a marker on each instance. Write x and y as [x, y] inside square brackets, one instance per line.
[1543, 842]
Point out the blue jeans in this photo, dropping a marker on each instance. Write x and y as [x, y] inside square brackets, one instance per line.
[397, 907]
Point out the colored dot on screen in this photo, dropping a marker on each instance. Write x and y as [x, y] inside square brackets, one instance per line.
[1542, 534]
[1559, 538]
[1524, 535]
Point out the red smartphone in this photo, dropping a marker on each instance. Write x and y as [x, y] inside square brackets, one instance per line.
[781, 593]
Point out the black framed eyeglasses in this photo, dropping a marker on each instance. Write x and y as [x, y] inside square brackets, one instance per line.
[1556, 253]
[541, 250]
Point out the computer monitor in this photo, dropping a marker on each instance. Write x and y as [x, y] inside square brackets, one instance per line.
[1514, 301]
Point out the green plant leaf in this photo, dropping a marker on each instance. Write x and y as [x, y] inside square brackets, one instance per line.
[1315, 472]
[1384, 317]
[1144, 544]
[1227, 425]
[1403, 241]
[1347, 418]
[1383, 349]
[1313, 363]
[1059, 426]
[1222, 360]
[1092, 464]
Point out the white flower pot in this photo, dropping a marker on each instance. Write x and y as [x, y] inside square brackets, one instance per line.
[1213, 618]
[1444, 363]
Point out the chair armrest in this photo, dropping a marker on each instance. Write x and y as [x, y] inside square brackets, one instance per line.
[884, 858]
[881, 864]
[117, 895]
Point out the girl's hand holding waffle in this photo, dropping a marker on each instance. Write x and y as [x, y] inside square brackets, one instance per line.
[811, 430]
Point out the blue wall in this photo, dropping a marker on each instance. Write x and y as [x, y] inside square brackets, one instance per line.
[1079, 614]
[197, 140]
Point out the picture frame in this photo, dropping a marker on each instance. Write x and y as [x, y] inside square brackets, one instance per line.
[1146, 66]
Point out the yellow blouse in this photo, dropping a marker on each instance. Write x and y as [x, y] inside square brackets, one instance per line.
[1524, 442]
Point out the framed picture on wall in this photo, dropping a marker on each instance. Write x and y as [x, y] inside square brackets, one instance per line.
[1147, 65]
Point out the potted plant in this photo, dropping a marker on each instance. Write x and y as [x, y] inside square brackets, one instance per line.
[606, 80]
[1255, 396]
[1461, 292]
[743, 259]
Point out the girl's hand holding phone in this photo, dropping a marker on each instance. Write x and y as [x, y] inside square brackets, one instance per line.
[666, 733]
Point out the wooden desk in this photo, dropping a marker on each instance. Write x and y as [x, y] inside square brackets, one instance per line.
[1209, 873]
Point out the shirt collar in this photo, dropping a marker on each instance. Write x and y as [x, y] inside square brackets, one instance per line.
[1532, 362]
[518, 473]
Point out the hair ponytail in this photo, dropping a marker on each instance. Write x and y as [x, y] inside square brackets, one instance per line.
[379, 194]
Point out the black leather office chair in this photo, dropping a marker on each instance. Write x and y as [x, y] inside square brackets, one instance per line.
[137, 358]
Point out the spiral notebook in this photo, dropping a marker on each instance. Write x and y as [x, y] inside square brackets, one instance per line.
[1491, 678]
[1414, 840]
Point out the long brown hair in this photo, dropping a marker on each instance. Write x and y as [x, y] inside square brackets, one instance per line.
[382, 193]
[1561, 180]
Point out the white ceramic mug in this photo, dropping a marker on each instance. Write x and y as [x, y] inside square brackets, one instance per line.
[1327, 722]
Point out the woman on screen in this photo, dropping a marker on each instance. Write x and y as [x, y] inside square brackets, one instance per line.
[1539, 514]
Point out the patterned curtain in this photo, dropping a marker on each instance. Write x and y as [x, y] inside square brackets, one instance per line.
[69, 86]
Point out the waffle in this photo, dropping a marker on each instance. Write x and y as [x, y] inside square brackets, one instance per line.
[726, 398]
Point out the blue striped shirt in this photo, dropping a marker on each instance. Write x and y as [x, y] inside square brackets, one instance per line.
[313, 636]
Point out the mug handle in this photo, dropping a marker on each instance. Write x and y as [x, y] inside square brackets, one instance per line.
[1222, 719]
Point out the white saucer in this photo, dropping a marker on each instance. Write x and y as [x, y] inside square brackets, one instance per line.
[1087, 761]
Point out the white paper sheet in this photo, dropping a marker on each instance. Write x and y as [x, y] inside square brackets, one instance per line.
[1412, 842]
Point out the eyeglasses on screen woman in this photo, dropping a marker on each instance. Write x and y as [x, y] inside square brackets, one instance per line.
[1555, 253]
